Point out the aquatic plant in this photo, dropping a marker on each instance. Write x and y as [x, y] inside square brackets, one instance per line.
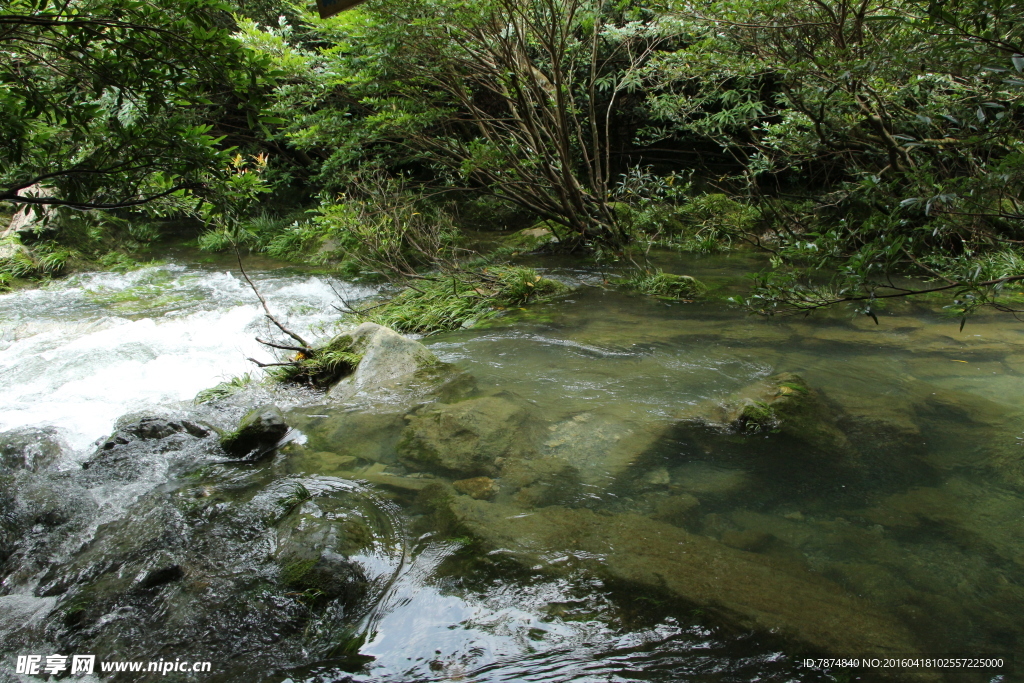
[665, 285]
[299, 495]
[224, 389]
[462, 299]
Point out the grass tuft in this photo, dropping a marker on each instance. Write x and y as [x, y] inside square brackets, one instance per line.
[224, 389]
[450, 302]
[665, 285]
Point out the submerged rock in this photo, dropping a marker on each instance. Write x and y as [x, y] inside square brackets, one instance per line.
[328, 576]
[313, 547]
[750, 590]
[389, 362]
[469, 438]
[481, 488]
[599, 446]
[783, 403]
[258, 433]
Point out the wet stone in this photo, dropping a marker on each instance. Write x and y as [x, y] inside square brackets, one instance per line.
[151, 429]
[466, 438]
[783, 403]
[749, 589]
[391, 367]
[258, 433]
[30, 449]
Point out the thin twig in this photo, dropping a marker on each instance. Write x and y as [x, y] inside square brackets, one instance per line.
[266, 308]
[291, 364]
[282, 346]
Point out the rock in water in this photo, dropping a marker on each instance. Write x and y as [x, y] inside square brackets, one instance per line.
[783, 403]
[29, 449]
[258, 433]
[481, 488]
[470, 438]
[389, 361]
[750, 590]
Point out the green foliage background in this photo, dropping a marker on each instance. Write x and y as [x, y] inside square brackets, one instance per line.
[872, 148]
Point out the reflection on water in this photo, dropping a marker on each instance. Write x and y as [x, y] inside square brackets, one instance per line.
[619, 524]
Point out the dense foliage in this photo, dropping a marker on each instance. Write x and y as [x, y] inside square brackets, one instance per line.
[871, 147]
[111, 104]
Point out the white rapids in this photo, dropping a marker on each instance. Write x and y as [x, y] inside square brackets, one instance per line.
[79, 353]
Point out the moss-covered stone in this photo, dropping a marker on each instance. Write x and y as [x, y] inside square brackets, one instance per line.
[533, 238]
[388, 362]
[258, 433]
[665, 285]
[783, 404]
[326, 577]
[468, 438]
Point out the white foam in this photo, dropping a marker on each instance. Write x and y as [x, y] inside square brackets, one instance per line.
[74, 361]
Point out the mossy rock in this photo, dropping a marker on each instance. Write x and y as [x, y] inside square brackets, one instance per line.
[783, 404]
[533, 238]
[328, 576]
[387, 360]
[258, 433]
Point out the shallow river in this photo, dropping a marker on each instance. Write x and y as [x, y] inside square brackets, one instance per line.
[640, 545]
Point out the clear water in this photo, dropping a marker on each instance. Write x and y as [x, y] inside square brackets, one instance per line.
[911, 543]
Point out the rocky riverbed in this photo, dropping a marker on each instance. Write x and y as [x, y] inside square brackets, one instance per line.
[604, 486]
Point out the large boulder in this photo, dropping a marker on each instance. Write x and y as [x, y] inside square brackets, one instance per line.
[389, 363]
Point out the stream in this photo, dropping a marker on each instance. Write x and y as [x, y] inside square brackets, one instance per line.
[631, 542]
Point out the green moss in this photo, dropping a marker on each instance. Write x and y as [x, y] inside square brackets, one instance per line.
[756, 417]
[298, 574]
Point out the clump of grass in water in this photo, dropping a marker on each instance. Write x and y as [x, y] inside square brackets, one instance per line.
[323, 366]
[299, 495]
[224, 389]
[462, 299]
[665, 285]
